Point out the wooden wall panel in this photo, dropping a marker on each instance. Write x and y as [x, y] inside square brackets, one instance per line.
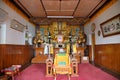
[15, 54]
[1, 57]
[108, 56]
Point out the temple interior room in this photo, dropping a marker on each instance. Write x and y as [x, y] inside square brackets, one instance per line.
[59, 39]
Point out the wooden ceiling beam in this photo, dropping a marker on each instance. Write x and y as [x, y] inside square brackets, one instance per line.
[76, 8]
[48, 21]
[23, 7]
[95, 8]
[43, 7]
[103, 3]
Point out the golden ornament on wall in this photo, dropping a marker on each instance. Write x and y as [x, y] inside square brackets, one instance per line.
[59, 28]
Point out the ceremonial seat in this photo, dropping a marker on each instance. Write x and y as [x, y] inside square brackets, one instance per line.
[62, 64]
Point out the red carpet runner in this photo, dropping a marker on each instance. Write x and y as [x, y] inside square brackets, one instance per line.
[86, 72]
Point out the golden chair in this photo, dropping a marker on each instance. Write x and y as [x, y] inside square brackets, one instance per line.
[62, 64]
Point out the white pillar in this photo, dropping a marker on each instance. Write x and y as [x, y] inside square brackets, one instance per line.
[2, 33]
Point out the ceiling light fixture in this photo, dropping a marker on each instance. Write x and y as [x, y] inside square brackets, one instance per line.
[60, 17]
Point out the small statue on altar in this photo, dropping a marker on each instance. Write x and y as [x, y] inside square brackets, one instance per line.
[37, 40]
[81, 39]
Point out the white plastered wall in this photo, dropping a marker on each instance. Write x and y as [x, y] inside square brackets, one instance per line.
[13, 36]
[107, 14]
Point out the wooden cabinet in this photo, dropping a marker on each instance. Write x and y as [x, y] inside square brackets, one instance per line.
[80, 50]
[80, 53]
[40, 57]
[39, 51]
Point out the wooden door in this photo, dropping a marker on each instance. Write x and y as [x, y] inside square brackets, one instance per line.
[93, 46]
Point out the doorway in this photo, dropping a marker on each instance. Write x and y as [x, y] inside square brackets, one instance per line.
[0, 33]
[93, 47]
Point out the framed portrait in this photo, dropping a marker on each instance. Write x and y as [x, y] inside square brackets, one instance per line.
[111, 26]
[17, 25]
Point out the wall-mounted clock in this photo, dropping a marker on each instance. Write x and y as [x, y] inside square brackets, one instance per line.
[93, 27]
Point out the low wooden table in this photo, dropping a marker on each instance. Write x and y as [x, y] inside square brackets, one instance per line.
[3, 77]
[12, 71]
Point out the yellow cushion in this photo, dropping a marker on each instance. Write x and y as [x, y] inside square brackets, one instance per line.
[62, 64]
[61, 59]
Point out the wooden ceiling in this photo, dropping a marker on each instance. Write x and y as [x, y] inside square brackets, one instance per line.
[38, 10]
